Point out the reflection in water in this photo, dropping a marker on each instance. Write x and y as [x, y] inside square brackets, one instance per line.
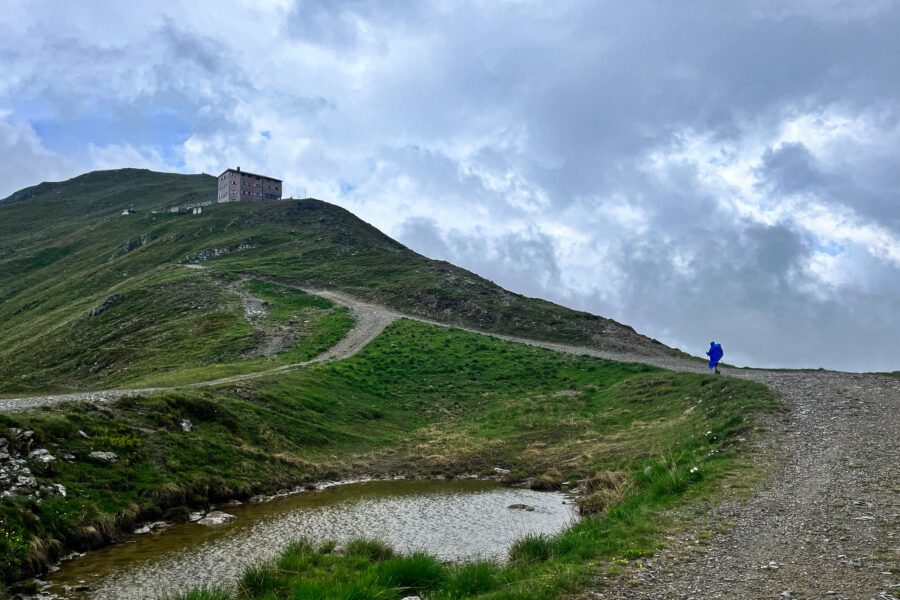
[455, 520]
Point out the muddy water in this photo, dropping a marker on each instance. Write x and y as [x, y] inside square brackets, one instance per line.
[455, 520]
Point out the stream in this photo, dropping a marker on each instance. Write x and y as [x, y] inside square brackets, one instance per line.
[455, 520]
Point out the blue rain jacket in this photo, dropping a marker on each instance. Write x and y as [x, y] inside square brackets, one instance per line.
[715, 354]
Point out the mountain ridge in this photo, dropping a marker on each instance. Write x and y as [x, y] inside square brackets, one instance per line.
[65, 248]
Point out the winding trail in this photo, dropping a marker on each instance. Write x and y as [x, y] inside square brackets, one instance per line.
[825, 524]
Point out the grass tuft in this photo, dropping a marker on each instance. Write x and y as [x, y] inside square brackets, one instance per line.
[418, 572]
[531, 548]
[374, 550]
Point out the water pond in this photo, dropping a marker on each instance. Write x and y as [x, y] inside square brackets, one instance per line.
[455, 520]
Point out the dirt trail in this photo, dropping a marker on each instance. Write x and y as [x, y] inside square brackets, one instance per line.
[370, 320]
[825, 524]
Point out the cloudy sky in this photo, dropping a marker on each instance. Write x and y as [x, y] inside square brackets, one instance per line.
[698, 170]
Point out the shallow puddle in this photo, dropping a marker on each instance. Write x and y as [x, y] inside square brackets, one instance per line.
[454, 520]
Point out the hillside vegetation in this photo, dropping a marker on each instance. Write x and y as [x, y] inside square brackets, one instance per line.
[419, 400]
[91, 299]
[65, 249]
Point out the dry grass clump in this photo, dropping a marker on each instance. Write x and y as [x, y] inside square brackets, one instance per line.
[605, 480]
[603, 490]
[549, 481]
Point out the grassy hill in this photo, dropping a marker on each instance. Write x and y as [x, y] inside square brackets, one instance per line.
[65, 249]
[90, 298]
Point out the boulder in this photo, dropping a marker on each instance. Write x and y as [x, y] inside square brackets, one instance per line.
[196, 516]
[104, 457]
[216, 517]
[187, 426]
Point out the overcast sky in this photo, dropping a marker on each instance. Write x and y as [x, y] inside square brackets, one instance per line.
[702, 171]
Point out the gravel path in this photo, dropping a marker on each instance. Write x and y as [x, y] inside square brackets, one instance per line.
[823, 525]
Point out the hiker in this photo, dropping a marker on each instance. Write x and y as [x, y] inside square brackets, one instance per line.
[715, 354]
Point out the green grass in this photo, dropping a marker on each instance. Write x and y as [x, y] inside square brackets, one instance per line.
[169, 327]
[420, 399]
[64, 249]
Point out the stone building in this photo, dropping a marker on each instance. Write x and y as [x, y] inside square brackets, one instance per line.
[239, 186]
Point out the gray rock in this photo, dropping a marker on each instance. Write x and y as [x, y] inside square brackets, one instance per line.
[104, 457]
[196, 516]
[260, 498]
[216, 517]
[41, 454]
[145, 528]
[187, 426]
[411, 598]
[500, 471]
[22, 435]
[26, 481]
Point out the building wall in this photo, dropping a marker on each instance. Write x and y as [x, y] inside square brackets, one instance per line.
[237, 186]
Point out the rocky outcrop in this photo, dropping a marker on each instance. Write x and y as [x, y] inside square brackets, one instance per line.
[105, 305]
[104, 457]
[16, 477]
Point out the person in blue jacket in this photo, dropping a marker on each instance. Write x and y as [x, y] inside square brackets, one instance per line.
[715, 354]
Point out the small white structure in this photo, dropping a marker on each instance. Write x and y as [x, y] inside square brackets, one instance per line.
[196, 210]
[127, 211]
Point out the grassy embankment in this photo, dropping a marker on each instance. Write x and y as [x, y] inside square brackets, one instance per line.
[418, 400]
[65, 249]
[172, 326]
